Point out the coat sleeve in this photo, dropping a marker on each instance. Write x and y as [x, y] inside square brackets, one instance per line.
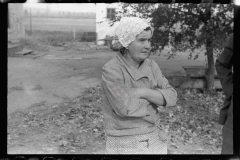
[164, 87]
[224, 66]
[118, 94]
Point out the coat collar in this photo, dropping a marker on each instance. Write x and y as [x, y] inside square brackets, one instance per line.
[136, 74]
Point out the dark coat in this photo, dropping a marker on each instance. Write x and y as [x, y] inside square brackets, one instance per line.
[223, 66]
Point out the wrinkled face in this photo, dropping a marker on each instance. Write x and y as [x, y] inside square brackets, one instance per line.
[139, 49]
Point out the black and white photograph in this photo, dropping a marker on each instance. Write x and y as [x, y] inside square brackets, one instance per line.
[120, 78]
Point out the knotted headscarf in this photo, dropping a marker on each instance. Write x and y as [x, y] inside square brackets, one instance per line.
[127, 30]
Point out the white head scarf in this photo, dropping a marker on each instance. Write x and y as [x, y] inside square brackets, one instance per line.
[128, 29]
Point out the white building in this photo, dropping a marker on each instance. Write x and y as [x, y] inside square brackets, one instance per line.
[104, 11]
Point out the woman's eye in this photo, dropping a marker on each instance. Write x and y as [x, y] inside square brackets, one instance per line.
[143, 40]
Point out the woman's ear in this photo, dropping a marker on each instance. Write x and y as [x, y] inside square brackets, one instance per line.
[152, 29]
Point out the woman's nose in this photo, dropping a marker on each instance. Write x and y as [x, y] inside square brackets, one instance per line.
[148, 44]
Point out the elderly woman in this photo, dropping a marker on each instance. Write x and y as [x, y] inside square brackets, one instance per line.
[133, 88]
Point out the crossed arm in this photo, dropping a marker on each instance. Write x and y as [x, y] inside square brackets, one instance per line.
[132, 102]
[153, 96]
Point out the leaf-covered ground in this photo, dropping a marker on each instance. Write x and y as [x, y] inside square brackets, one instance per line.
[76, 125]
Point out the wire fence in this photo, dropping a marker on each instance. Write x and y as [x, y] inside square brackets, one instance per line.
[55, 37]
[61, 29]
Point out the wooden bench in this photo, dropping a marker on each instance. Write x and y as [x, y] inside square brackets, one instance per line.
[196, 77]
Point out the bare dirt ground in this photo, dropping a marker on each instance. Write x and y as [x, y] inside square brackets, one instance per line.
[49, 79]
[45, 93]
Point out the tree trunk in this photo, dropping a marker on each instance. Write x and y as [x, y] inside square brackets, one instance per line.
[210, 69]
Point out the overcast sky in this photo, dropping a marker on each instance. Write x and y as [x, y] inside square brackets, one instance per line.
[68, 7]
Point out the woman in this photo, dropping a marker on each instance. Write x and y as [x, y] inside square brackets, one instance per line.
[133, 87]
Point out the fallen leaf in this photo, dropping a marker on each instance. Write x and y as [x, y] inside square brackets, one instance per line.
[48, 148]
[63, 143]
[54, 106]
[194, 134]
[174, 145]
[190, 141]
[199, 149]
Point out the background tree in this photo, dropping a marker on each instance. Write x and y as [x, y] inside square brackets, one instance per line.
[204, 25]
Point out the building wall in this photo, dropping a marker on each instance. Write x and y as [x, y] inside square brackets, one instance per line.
[104, 28]
[15, 25]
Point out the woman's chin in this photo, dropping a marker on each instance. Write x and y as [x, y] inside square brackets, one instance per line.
[145, 56]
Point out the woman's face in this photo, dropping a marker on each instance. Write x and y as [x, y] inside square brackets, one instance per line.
[139, 49]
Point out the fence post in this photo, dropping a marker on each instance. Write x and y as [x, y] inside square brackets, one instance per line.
[96, 38]
[87, 37]
[30, 21]
[74, 34]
